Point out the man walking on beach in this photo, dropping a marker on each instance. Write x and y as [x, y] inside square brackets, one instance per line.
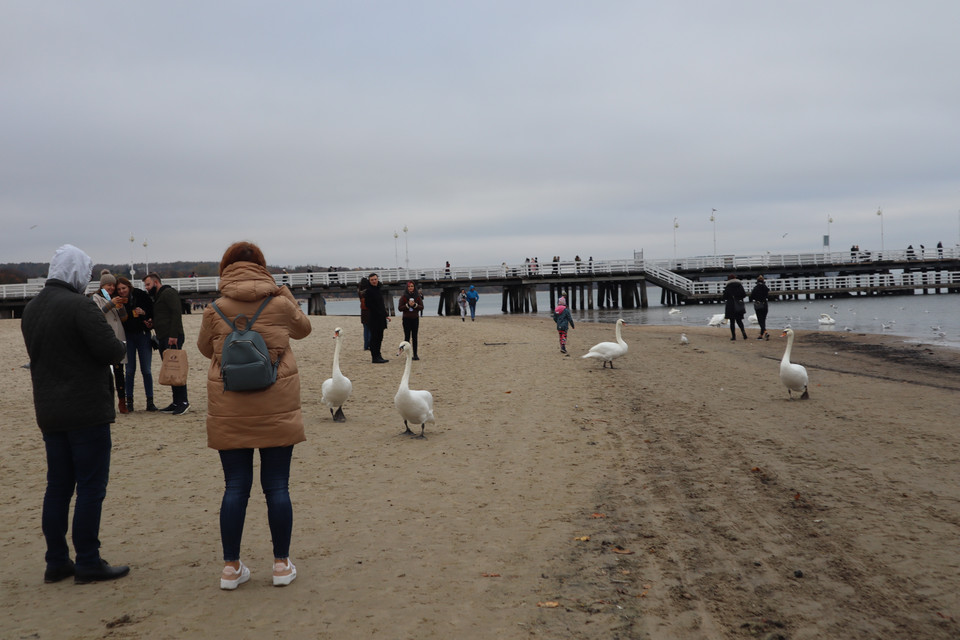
[376, 317]
[168, 324]
[71, 348]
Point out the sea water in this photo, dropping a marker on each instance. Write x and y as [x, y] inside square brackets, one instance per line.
[932, 318]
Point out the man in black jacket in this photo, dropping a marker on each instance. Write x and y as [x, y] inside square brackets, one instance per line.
[71, 347]
[377, 317]
[168, 324]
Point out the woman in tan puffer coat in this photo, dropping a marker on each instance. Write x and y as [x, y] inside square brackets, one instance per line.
[267, 419]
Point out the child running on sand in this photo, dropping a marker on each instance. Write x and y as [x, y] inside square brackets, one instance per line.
[561, 315]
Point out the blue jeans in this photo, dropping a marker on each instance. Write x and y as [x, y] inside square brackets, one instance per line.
[366, 338]
[275, 482]
[76, 460]
[179, 393]
[138, 344]
[473, 309]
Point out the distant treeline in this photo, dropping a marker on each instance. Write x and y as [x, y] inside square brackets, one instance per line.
[20, 272]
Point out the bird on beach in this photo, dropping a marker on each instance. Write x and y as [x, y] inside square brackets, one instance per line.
[683, 339]
[608, 351]
[335, 391]
[826, 319]
[793, 376]
[414, 406]
[716, 320]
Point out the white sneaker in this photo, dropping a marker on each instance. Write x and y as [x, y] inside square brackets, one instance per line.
[283, 573]
[232, 578]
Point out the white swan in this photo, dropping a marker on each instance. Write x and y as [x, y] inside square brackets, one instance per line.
[753, 319]
[793, 376]
[336, 390]
[414, 406]
[716, 320]
[607, 351]
[826, 319]
[684, 339]
[674, 312]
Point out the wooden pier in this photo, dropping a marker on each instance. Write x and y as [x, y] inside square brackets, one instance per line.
[608, 284]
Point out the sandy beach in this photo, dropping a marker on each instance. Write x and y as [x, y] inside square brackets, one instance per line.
[679, 495]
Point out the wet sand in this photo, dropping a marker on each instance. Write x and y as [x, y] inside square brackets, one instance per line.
[678, 495]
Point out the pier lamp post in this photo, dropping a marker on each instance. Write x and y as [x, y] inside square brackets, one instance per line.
[406, 248]
[880, 213]
[675, 226]
[132, 271]
[396, 254]
[829, 222]
[713, 219]
[146, 258]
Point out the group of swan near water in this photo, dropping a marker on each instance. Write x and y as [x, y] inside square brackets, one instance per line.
[416, 406]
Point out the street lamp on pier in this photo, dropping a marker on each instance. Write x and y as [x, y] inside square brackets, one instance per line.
[132, 271]
[675, 226]
[146, 258]
[829, 222]
[396, 250]
[713, 219]
[406, 248]
[880, 213]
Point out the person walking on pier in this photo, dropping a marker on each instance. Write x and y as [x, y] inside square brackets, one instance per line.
[759, 295]
[733, 294]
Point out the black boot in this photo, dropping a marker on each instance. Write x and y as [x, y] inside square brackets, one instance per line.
[150, 405]
[129, 404]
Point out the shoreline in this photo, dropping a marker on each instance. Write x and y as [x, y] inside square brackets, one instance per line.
[675, 496]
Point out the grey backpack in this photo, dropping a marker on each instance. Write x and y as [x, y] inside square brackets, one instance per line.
[245, 363]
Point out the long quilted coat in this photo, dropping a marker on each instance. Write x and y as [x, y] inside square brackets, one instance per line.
[254, 419]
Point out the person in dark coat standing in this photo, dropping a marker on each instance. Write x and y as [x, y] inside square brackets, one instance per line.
[411, 304]
[71, 348]
[733, 294]
[168, 324]
[759, 295]
[376, 317]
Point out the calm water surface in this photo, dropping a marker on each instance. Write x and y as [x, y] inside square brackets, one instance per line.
[928, 318]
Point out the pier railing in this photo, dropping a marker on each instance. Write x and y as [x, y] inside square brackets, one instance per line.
[660, 272]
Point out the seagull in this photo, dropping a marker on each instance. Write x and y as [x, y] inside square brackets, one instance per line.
[684, 339]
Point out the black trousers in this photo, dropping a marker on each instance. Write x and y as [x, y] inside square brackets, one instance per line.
[376, 340]
[411, 327]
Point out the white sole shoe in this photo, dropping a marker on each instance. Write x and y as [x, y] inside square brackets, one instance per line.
[231, 578]
[280, 576]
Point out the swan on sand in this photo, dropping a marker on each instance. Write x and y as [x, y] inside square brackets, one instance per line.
[335, 391]
[608, 351]
[414, 406]
[793, 376]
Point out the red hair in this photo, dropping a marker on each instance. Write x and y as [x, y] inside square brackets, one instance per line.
[242, 251]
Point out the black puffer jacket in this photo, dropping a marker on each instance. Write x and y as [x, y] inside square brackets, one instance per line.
[70, 346]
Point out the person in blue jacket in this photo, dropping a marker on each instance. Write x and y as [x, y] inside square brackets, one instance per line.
[561, 315]
[472, 297]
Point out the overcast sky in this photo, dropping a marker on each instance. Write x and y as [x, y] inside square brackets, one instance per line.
[493, 130]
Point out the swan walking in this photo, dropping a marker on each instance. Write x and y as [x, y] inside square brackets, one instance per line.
[336, 390]
[607, 351]
[793, 376]
[414, 406]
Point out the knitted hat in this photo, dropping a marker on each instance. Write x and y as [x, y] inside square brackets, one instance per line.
[562, 301]
[107, 278]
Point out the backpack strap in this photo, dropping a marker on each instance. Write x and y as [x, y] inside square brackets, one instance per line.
[249, 324]
[257, 314]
